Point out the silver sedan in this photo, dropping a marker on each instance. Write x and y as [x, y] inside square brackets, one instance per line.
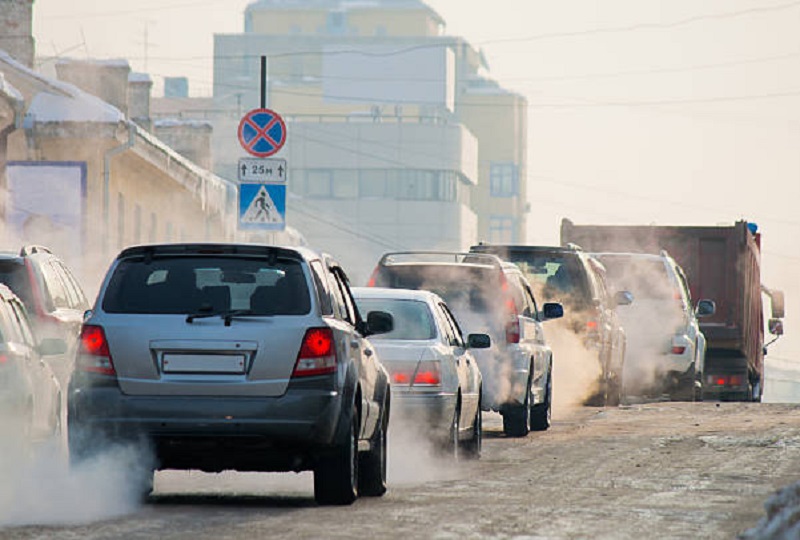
[434, 375]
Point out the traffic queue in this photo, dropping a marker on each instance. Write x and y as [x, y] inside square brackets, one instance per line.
[248, 357]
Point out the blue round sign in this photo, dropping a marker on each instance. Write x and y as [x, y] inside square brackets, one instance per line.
[262, 132]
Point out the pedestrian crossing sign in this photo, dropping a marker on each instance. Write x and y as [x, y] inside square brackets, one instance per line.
[262, 206]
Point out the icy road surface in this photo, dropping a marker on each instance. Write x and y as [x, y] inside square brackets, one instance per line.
[663, 470]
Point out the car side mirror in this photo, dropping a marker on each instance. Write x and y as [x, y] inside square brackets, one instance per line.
[379, 322]
[479, 341]
[87, 315]
[52, 347]
[705, 308]
[623, 298]
[552, 310]
[776, 327]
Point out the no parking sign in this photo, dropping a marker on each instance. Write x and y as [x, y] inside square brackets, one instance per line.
[262, 132]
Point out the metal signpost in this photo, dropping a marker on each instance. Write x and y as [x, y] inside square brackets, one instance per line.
[262, 181]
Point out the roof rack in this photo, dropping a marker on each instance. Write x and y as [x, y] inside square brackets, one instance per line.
[31, 249]
[456, 257]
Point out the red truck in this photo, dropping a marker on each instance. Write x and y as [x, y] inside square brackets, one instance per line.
[722, 263]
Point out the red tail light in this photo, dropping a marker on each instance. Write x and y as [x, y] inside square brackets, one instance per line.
[512, 331]
[678, 349]
[317, 354]
[93, 355]
[3, 359]
[373, 279]
[401, 377]
[512, 326]
[591, 325]
[726, 380]
[428, 374]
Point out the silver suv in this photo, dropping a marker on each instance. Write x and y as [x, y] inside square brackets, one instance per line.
[666, 349]
[227, 356]
[489, 296]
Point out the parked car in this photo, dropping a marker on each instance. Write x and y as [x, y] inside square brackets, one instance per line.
[234, 356]
[489, 296]
[435, 378]
[30, 395]
[666, 349]
[572, 277]
[53, 297]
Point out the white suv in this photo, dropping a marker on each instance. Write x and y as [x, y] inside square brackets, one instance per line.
[666, 350]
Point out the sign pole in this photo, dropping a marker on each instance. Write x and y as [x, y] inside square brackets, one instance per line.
[263, 82]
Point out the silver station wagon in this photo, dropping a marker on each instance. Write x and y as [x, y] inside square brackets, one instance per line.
[241, 357]
[436, 381]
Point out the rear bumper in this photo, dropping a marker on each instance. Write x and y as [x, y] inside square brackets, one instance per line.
[505, 377]
[208, 433]
[430, 412]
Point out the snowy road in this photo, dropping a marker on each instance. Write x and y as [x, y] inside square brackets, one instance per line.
[666, 470]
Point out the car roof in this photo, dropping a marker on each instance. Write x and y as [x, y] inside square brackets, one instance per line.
[394, 294]
[491, 248]
[228, 248]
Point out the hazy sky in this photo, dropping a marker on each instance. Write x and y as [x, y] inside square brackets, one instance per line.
[641, 111]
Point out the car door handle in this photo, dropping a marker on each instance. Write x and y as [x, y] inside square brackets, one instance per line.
[355, 344]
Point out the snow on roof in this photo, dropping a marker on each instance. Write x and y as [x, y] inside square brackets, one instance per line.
[181, 122]
[136, 77]
[105, 62]
[7, 90]
[79, 107]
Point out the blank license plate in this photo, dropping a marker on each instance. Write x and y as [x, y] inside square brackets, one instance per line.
[203, 363]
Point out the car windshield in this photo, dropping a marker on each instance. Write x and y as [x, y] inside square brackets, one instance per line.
[646, 279]
[412, 318]
[208, 284]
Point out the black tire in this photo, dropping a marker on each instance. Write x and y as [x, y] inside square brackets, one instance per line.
[372, 464]
[472, 447]
[336, 475]
[541, 414]
[698, 387]
[516, 420]
[453, 444]
[686, 389]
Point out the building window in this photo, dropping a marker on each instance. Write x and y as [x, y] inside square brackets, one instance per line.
[345, 184]
[335, 23]
[503, 179]
[372, 184]
[318, 184]
[502, 230]
[153, 227]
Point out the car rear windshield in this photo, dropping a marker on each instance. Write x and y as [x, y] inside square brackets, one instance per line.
[554, 275]
[15, 276]
[646, 279]
[464, 287]
[208, 284]
[412, 318]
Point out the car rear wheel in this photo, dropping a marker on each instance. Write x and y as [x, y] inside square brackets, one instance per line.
[541, 414]
[336, 475]
[372, 465]
[472, 447]
[453, 446]
[516, 419]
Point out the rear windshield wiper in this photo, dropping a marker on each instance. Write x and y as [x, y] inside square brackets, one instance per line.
[227, 316]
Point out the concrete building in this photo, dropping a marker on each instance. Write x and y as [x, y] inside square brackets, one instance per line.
[397, 139]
